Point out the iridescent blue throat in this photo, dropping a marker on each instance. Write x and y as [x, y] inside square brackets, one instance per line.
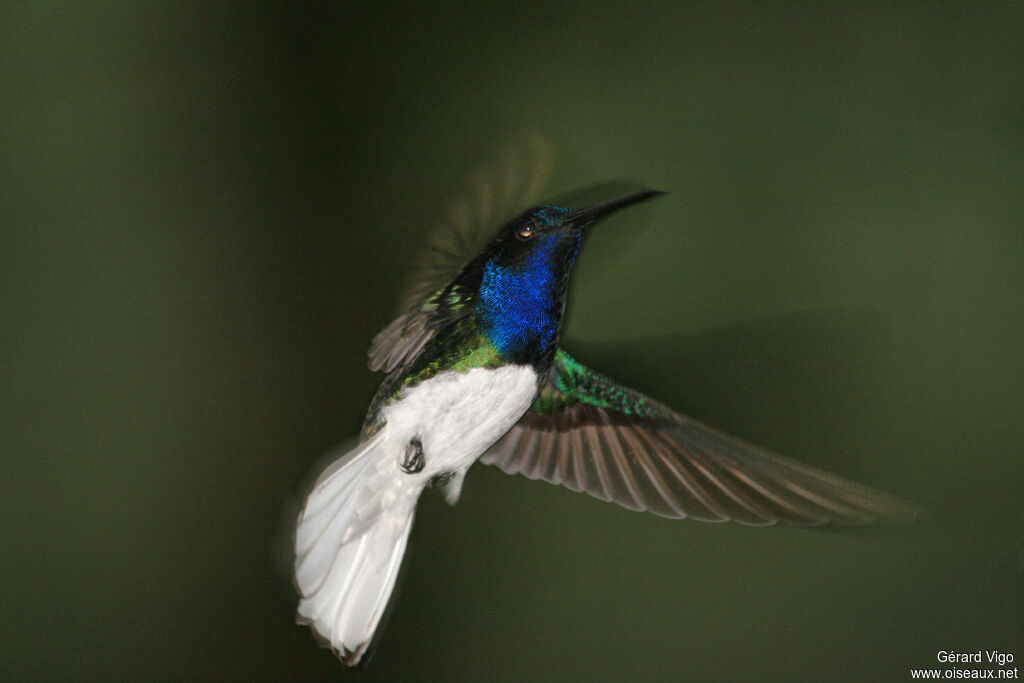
[520, 306]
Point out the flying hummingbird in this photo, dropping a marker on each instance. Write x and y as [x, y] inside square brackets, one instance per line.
[474, 371]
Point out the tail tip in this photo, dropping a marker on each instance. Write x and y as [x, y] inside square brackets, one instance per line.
[353, 658]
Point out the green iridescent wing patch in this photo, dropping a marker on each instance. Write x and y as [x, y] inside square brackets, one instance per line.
[590, 434]
[572, 382]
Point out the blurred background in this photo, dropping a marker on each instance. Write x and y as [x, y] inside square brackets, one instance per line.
[208, 210]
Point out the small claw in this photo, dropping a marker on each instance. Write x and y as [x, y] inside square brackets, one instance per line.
[413, 461]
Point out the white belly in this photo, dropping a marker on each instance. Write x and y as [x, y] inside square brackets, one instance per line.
[354, 526]
[458, 415]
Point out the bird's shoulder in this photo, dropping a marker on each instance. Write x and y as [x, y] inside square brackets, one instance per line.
[456, 345]
[444, 317]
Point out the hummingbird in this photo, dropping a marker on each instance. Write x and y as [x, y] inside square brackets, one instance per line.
[474, 371]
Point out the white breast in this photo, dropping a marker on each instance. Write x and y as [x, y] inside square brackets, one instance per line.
[459, 415]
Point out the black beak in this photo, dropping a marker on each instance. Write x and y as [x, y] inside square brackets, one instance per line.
[588, 217]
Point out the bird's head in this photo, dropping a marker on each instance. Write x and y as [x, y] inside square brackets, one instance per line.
[552, 235]
[525, 275]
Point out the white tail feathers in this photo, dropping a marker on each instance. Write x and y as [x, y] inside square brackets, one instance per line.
[349, 544]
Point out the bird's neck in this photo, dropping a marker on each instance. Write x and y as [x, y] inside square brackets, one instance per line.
[521, 305]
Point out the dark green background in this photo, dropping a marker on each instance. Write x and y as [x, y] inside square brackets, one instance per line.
[206, 214]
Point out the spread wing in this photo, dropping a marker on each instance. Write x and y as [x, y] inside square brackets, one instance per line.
[590, 434]
[428, 302]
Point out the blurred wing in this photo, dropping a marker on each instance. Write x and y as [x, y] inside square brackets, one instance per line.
[402, 340]
[511, 185]
[589, 434]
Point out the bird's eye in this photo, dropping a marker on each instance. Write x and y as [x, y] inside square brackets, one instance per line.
[526, 231]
